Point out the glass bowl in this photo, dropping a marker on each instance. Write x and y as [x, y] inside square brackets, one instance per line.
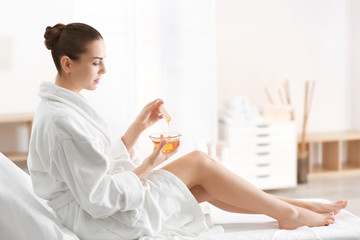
[172, 140]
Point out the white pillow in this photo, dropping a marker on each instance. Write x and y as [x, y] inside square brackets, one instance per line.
[23, 214]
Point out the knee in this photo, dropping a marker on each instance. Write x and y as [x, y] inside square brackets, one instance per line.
[201, 158]
[198, 153]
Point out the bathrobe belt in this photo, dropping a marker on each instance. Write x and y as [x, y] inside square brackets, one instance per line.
[61, 200]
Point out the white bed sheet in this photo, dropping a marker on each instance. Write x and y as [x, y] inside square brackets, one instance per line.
[25, 216]
[257, 226]
[261, 227]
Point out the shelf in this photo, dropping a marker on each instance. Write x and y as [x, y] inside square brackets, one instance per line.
[17, 156]
[319, 172]
[333, 153]
[16, 117]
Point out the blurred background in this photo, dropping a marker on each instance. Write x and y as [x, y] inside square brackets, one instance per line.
[202, 57]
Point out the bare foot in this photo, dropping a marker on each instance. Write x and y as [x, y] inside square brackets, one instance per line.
[306, 217]
[334, 207]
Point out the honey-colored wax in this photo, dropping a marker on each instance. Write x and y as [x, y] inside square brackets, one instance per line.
[169, 147]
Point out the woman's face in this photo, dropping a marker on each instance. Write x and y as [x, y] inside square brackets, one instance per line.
[87, 70]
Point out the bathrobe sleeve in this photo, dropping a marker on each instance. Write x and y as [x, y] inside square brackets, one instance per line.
[119, 152]
[83, 166]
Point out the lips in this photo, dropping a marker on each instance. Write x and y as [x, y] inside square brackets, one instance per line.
[97, 81]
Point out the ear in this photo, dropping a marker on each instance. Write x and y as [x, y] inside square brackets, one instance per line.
[65, 62]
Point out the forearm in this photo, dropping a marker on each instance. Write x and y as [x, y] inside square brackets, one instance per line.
[156, 158]
[131, 135]
[142, 170]
[129, 138]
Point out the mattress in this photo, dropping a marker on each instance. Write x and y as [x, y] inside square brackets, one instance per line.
[25, 216]
[233, 226]
[257, 226]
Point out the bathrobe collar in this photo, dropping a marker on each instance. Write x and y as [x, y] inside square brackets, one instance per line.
[51, 91]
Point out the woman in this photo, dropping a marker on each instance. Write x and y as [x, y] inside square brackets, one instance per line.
[102, 191]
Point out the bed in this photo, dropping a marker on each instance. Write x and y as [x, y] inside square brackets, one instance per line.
[25, 216]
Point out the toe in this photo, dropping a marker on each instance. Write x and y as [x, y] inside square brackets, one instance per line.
[342, 203]
[330, 216]
[328, 222]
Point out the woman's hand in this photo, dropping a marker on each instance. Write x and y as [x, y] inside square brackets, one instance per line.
[156, 158]
[149, 115]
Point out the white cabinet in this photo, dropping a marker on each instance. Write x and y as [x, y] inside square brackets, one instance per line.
[263, 154]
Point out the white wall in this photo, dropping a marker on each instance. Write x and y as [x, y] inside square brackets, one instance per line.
[25, 62]
[176, 61]
[355, 60]
[115, 96]
[261, 43]
[32, 63]
[154, 49]
[29, 62]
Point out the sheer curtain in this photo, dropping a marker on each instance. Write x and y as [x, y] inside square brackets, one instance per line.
[175, 60]
[115, 97]
[157, 49]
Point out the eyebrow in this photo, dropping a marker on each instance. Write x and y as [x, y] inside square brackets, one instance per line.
[98, 58]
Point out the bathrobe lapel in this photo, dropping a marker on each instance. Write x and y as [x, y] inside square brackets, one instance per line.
[75, 101]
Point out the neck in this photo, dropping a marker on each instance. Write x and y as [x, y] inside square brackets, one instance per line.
[66, 82]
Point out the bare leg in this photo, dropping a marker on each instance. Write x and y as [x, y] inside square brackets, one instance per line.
[318, 207]
[202, 196]
[197, 168]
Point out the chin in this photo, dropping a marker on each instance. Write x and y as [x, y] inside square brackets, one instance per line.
[92, 88]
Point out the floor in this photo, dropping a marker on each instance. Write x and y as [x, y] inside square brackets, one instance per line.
[337, 187]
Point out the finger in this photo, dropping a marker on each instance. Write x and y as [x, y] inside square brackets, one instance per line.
[161, 146]
[153, 107]
[170, 154]
[162, 140]
[157, 101]
[151, 103]
[156, 106]
[177, 146]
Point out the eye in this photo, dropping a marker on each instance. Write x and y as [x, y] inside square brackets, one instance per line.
[96, 63]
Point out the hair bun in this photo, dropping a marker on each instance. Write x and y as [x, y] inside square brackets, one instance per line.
[52, 35]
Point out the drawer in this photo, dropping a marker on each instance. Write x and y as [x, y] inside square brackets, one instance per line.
[234, 138]
[274, 181]
[263, 168]
[261, 149]
[277, 156]
[244, 135]
[264, 154]
[282, 127]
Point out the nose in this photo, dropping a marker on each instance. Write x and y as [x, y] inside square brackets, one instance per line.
[102, 70]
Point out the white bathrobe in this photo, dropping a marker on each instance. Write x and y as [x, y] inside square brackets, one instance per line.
[89, 182]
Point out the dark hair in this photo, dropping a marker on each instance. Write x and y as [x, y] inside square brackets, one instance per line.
[69, 40]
